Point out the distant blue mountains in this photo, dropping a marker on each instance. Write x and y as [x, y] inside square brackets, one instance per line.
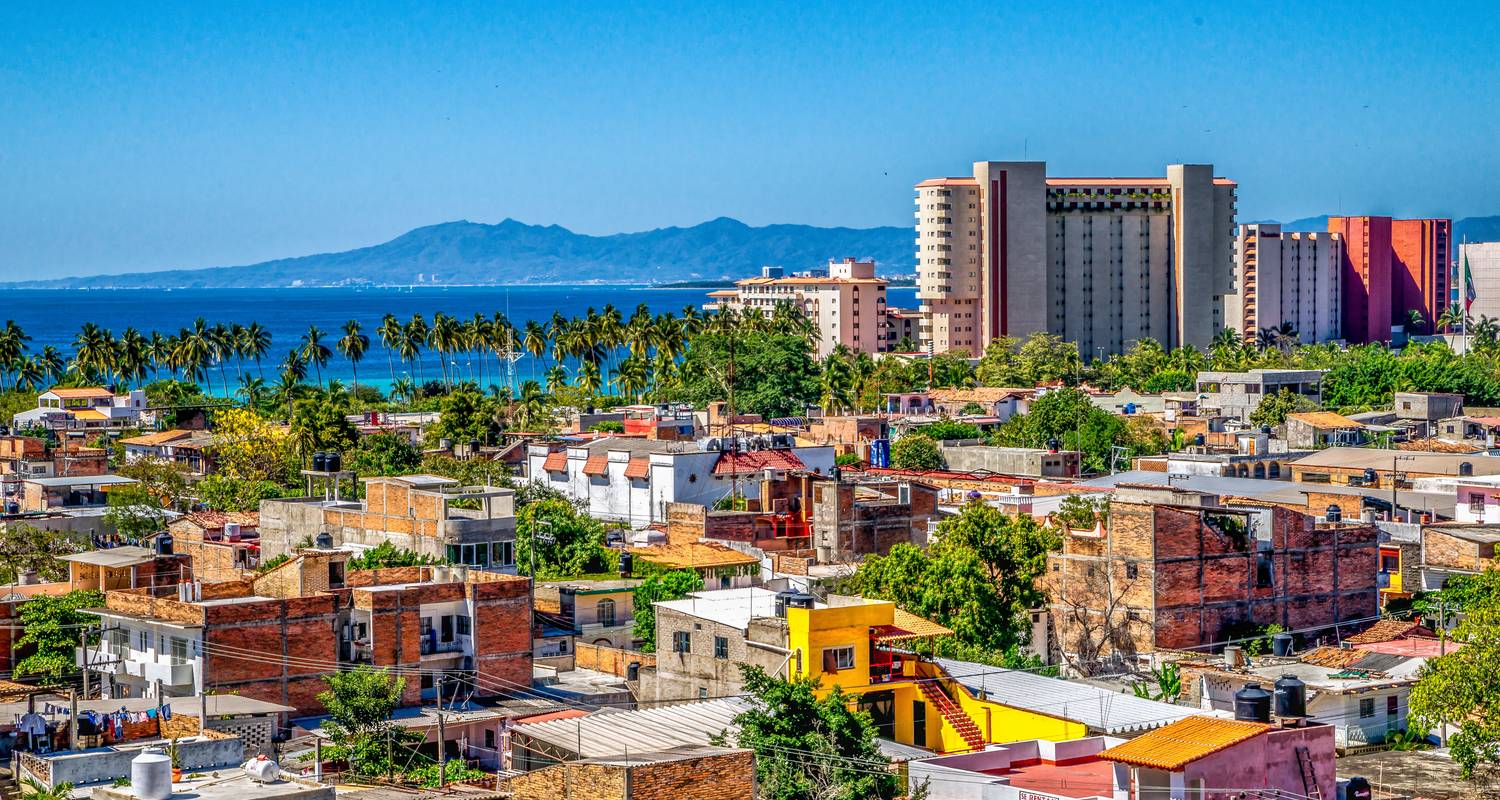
[511, 252]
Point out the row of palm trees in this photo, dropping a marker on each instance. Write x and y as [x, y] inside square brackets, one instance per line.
[629, 354]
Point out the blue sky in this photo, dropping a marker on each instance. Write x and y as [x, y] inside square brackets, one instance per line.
[206, 134]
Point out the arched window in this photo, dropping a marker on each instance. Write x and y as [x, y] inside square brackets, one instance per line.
[605, 612]
[1275, 469]
[1260, 470]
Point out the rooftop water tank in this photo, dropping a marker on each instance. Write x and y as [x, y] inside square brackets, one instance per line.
[151, 775]
[1252, 704]
[1333, 513]
[320, 461]
[163, 544]
[1281, 645]
[263, 770]
[1291, 697]
[334, 461]
[324, 541]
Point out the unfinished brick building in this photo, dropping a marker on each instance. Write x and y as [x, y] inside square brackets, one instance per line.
[868, 517]
[274, 636]
[1175, 569]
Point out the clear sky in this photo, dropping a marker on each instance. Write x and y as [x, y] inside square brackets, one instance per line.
[155, 136]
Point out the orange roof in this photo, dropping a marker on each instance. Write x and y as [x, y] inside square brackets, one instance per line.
[949, 182]
[88, 413]
[557, 461]
[906, 625]
[85, 391]
[1324, 419]
[597, 465]
[1334, 658]
[1174, 746]
[160, 437]
[567, 713]
[637, 468]
[1388, 630]
[694, 555]
[757, 460]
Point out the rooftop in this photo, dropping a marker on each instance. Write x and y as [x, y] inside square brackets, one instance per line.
[1181, 743]
[614, 733]
[233, 784]
[75, 393]
[1370, 458]
[126, 556]
[732, 607]
[1324, 419]
[82, 480]
[1101, 709]
[694, 555]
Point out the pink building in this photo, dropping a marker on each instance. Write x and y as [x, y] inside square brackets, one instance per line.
[1200, 757]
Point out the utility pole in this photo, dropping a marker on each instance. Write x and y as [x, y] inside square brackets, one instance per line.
[318, 759]
[442, 750]
[390, 756]
[1442, 651]
[72, 719]
[83, 645]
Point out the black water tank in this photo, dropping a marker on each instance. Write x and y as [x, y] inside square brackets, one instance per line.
[163, 544]
[627, 564]
[633, 671]
[1465, 468]
[1266, 429]
[320, 461]
[781, 602]
[324, 541]
[1198, 440]
[334, 461]
[1333, 513]
[473, 447]
[1357, 789]
[1371, 476]
[1053, 445]
[1291, 697]
[799, 600]
[1252, 704]
[1281, 644]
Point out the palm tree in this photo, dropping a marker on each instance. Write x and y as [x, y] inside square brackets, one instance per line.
[30, 375]
[588, 378]
[1415, 321]
[12, 344]
[1186, 359]
[444, 337]
[222, 341]
[837, 381]
[314, 351]
[194, 351]
[530, 413]
[134, 354]
[289, 385]
[251, 388]
[405, 388]
[353, 346]
[390, 338]
[415, 337]
[1452, 317]
[295, 364]
[557, 377]
[535, 342]
[51, 363]
[631, 376]
[255, 343]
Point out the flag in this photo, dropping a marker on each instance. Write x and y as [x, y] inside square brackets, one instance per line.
[1469, 293]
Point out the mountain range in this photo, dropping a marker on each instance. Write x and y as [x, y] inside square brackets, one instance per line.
[511, 252]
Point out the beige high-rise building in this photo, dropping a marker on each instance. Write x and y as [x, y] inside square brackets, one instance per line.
[1101, 262]
[847, 306]
[1479, 267]
[1286, 277]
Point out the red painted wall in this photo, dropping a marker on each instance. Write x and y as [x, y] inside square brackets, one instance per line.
[1366, 277]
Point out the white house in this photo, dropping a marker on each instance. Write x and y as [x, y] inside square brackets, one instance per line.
[634, 480]
[83, 408]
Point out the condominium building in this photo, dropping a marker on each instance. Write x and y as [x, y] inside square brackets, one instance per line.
[1285, 277]
[847, 306]
[1391, 268]
[1102, 262]
[1480, 262]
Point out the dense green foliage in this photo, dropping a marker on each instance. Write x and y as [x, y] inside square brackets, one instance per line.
[26, 547]
[1460, 688]
[384, 453]
[660, 587]
[916, 451]
[223, 493]
[135, 512]
[565, 541]
[385, 555]
[772, 375]
[1070, 418]
[978, 579]
[807, 747]
[50, 625]
[1275, 408]
[947, 430]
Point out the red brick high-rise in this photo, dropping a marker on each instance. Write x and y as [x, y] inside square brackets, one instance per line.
[1391, 268]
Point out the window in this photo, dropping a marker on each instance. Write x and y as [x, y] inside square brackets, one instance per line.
[503, 554]
[721, 647]
[178, 651]
[702, 692]
[1389, 562]
[1132, 571]
[335, 574]
[838, 658]
[1367, 708]
[1392, 706]
[465, 625]
[604, 612]
[1476, 504]
[682, 642]
[489, 738]
[142, 641]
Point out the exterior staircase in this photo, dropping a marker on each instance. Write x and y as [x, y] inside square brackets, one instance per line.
[936, 697]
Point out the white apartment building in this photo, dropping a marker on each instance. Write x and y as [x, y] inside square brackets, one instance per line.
[848, 306]
[1101, 262]
[1288, 277]
[83, 408]
[1479, 263]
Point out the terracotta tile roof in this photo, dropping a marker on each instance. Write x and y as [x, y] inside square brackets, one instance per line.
[556, 462]
[1334, 658]
[981, 395]
[1440, 446]
[158, 438]
[694, 555]
[906, 625]
[1324, 419]
[85, 391]
[215, 520]
[1388, 629]
[1174, 746]
[597, 466]
[88, 413]
[638, 468]
[757, 460]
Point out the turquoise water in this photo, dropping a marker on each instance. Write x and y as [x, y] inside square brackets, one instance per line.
[52, 317]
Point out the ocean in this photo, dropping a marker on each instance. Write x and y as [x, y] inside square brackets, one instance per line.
[53, 317]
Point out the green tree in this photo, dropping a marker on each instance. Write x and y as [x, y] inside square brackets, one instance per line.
[772, 375]
[916, 451]
[565, 541]
[359, 703]
[135, 512]
[49, 631]
[386, 555]
[1273, 409]
[384, 453]
[223, 493]
[26, 547]
[809, 747]
[319, 424]
[660, 587]
[1460, 689]
[466, 416]
[946, 430]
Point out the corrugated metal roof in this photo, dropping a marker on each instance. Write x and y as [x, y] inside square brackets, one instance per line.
[1098, 708]
[611, 733]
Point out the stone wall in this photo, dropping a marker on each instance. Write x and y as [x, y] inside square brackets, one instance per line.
[611, 660]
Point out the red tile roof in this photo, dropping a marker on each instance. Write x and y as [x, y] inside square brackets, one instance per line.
[757, 460]
[1387, 630]
[556, 462]
[637, 468]
[597, 466]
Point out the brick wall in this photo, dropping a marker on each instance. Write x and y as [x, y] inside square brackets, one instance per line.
[726, 775]
[1440, 549]
[611, 660]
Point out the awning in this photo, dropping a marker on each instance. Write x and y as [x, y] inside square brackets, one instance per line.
[638, 468]
[596, 466]
[556, 462]
[907, 626]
